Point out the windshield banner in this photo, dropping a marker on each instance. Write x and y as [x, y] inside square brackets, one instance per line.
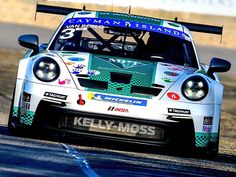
[72, 22]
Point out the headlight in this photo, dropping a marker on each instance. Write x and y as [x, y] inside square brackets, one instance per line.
[46, 69]
[195, 88]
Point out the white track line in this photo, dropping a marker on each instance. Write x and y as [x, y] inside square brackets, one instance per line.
[80, 161]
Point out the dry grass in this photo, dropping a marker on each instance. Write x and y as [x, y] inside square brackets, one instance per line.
[23, 12]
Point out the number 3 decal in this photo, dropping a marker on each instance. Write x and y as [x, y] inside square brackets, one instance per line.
[67, 33]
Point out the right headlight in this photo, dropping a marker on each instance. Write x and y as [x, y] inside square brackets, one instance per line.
[195, 88]
[46, 69]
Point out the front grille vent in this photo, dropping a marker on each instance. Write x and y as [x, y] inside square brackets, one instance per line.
[145, 90]
[121, 77]
[93, 83]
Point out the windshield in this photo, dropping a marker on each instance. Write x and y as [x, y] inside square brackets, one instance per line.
[131, 40]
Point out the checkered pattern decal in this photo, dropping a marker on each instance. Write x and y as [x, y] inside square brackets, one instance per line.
[26, 117]
[203, 139]
[142, 73]
[15, 111]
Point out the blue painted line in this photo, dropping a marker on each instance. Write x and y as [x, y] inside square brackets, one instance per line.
[80, 161]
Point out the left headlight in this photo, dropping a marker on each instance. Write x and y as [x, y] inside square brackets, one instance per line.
[46, 69]
[195, 88]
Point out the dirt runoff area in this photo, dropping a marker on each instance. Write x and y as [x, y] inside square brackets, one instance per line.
[23, 12]
[9, 62]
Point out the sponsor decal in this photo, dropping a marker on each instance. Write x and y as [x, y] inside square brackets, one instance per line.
[88, 72]
[76, 71]
[25, 105]
[207, 128]
[63, 82]
[171, 73]
[121, 23]
[69, 63]
[175, 69]
[79, 66]
[178, 111]
[75, 59]
[168, 80]
[93, 72]
[114, 127]
[208, 121]
[173, 96]
[55, 95]
[114, 15]
[124, 63]
[26, 97]
[115, 109]
[138, 69]
[80, 101]
[117, 99]
[80, 27]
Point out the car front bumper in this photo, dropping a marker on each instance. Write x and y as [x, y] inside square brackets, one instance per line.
[175, 131]
[175, 134]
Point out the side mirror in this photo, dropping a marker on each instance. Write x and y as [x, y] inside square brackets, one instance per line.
[218, 65]
[30, 41]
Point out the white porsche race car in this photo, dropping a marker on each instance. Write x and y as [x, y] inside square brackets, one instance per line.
[121, 77]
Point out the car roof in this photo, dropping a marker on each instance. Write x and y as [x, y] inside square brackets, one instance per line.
[132, 18]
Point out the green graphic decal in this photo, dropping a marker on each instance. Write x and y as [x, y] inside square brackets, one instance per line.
[134, 18]
[173, 24]
[123, 63]
[203, 139]
[15, 111]
[167, 80]
[26, 117]
[141, 73]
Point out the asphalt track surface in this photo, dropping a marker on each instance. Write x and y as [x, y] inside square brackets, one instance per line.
[37, 156]
[43, 157]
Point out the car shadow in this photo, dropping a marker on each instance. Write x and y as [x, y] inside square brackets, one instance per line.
[115, 160]
[222, 158]
[3, 130]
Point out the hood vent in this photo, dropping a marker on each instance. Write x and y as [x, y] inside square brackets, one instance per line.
[102, 85]
[145, 90]
[121, 77]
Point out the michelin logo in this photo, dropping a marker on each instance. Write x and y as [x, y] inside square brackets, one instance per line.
[117, 99]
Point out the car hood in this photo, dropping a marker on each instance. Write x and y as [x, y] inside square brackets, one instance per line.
[120, 75]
